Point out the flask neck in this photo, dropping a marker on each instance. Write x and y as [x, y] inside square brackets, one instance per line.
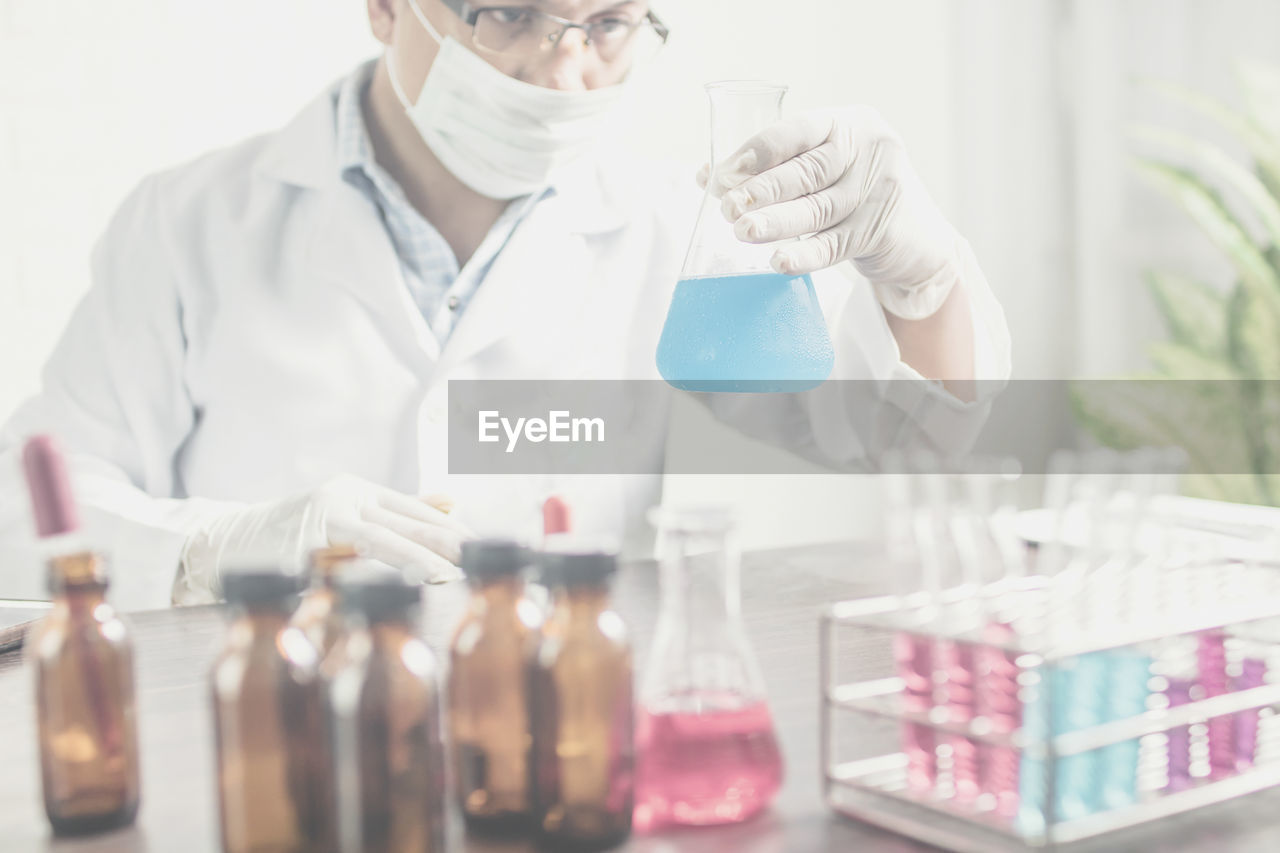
[701, 577]
[738, 112]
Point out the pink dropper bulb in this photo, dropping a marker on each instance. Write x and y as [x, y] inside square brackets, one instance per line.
[52, 501]
[556, 517]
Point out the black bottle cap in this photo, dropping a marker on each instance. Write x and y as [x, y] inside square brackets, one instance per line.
[486, 559]
[260, 586]
[378, 593]
[576, 564]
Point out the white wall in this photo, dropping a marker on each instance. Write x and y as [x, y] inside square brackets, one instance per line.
[96, 94]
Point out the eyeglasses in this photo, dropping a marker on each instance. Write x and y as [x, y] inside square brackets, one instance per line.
[523, 30]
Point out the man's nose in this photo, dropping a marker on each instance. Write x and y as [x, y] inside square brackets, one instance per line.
[565, 62]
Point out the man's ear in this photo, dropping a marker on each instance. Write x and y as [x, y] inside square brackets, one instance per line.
[382, 18]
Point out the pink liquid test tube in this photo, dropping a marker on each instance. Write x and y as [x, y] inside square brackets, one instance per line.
[913, 654]
[955, 664]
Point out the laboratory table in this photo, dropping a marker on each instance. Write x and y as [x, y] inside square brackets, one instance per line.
[782, 594]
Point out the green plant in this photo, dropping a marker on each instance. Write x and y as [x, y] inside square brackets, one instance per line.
[1227, 340]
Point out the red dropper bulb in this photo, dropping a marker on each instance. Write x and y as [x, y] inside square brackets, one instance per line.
[555, 516]
[52, 502]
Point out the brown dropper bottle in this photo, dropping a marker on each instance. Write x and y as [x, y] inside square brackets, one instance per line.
[83, 660]
[268, 723]
[487, 692]
[384, 722]
[580, 683]
[319, 615]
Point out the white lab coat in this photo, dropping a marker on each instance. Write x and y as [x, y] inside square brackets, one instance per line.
[248, 335]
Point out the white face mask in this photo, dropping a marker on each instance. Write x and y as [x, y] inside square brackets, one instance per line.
[501, 137]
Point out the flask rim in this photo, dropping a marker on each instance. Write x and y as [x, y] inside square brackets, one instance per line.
[746, 87]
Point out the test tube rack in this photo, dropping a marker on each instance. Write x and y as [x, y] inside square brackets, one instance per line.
[869, 710]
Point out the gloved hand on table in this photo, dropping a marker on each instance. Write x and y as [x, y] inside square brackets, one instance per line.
[843, 178]
[415, 535]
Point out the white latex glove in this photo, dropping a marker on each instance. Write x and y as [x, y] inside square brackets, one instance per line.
[415, 535]
[843, 178]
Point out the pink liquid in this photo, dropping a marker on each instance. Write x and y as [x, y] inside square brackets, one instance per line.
[914, 658]
[954, 666]
[717, 767]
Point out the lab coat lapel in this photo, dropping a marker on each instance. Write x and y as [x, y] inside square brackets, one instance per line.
[541, 268]
[543, 271]
[345, 243]
[350, 248]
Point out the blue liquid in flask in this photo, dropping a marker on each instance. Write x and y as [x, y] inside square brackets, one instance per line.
[759, 332]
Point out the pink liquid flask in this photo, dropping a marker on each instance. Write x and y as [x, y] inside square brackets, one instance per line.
[706, 751]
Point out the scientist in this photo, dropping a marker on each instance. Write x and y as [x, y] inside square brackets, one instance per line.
[261, 363]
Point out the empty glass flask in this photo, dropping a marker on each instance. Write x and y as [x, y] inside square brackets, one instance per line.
[735, 324]
[707, 752]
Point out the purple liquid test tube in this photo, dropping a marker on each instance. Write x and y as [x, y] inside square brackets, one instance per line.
[1211, 657]
[1253, 673]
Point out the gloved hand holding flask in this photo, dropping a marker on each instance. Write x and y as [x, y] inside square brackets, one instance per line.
[841, 181]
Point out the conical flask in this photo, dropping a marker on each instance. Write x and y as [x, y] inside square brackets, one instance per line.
[706, 748]
[735, 324]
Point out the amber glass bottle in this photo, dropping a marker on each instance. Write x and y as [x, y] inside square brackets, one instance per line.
[319, 615]
[487, 691]
[83, 662]
[268, 723]
[83, 659]
[580, 683]
[384, 723]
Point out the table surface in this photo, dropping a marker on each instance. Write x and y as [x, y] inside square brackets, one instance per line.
[783, 592]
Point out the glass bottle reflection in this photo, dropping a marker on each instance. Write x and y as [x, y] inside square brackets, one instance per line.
[487, 695]
[319, 615]
[83, 661]
[580, 681]
[268, 723]
[384, 723]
